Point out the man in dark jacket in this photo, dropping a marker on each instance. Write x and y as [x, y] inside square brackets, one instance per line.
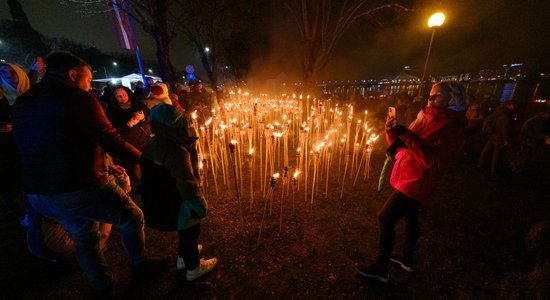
[61, 132]
[499, 129]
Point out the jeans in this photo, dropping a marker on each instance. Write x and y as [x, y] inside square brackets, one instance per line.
[398, 206]
[187, 248]
[78, 212]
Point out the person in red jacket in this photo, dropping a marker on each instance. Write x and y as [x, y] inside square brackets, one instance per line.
[425, 150]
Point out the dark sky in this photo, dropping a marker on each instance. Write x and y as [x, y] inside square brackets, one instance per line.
[476, 34]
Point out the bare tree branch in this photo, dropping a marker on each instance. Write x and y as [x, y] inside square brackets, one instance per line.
[322, 23]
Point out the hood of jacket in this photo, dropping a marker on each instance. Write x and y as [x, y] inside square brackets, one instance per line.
[171, 123]
[10, 92]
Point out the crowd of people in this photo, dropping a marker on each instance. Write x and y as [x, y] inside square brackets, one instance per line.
[73, 159]
[500, 136]
[425, 143]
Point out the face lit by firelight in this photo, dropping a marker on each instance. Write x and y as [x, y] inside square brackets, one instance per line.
[121, 96]
[438, 98]
[83, 78]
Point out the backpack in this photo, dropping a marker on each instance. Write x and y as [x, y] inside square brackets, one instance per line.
[160, 197]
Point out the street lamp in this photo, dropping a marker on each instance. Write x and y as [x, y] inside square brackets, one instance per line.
[114, 69]
[435, 21]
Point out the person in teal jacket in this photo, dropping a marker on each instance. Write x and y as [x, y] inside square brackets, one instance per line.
[171, 195]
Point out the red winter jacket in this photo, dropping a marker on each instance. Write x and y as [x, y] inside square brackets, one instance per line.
[432, 141]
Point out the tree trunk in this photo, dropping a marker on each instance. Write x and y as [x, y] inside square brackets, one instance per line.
[163, 39]
[167, 71]
[29, 37]
[210, 66]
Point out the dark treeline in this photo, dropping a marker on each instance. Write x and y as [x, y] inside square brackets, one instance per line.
[22, 44]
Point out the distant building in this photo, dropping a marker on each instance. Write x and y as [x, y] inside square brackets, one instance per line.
[511, 71]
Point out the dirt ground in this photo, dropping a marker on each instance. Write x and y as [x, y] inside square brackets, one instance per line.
[472, 239]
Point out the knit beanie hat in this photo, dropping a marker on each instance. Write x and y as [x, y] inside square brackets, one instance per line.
[168, 115]
[159, 92]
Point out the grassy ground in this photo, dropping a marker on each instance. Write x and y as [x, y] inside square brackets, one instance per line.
[472, 238]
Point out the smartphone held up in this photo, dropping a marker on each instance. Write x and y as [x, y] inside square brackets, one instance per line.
[392, 117]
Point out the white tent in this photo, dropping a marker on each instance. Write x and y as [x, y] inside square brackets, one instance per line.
[127, 80]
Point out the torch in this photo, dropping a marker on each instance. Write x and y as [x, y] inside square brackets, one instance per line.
[272, 183]
[232, 147]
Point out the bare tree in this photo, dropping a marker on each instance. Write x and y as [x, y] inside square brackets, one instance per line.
[154, 18]
[322, 23]
[214, 28]
[29, 40]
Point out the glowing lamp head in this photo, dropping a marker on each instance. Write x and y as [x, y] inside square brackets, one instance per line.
[436, 20]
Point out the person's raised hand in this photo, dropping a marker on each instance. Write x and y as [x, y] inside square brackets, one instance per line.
[390, 123]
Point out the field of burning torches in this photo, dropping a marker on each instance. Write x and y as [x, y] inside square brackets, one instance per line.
[283, 150]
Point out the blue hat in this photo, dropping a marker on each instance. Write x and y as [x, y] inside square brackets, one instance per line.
[169, 116]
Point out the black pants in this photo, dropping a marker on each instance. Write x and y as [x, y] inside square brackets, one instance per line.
[188, 241]
[398, 206]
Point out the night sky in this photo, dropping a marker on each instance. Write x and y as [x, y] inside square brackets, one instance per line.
[476, 35]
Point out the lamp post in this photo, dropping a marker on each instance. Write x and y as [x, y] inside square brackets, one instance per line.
[115, 68]
[435, 21]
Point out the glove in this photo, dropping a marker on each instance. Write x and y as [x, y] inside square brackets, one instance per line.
[392, 149]
[400, 129]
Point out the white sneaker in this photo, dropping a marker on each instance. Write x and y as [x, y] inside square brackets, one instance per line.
[180, 264]
[205, 266]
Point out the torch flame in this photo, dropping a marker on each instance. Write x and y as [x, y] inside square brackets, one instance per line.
[320, 146]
